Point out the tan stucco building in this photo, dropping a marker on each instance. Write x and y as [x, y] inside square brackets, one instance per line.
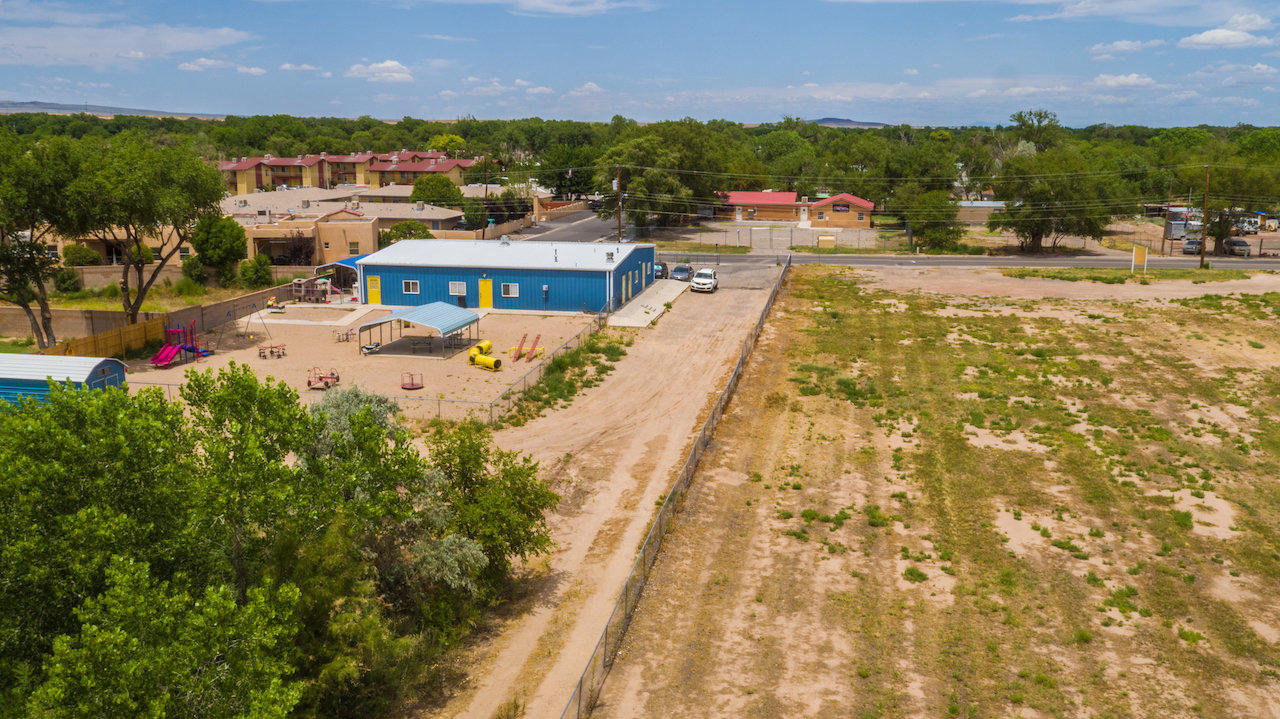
[842, 210]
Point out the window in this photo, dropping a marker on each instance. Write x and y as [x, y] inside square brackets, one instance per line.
[184, 253]
[326, 245]
[353, 248]
[410, 287]
[510, 289]
[458, 289]
[859, 215]
[819, 214]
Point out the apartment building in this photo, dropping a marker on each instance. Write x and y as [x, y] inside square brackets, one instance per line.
[247, 174]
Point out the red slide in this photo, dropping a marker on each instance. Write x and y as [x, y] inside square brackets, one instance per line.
[166, 355]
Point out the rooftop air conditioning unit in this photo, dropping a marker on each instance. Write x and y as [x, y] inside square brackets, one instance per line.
[355, 205]
[242, 203]
[306, 203]
[419, 205]
[608, 257]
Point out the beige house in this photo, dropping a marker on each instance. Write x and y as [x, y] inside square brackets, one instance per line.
[329, 237]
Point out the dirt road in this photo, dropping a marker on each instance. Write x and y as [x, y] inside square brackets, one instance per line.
[611, 454]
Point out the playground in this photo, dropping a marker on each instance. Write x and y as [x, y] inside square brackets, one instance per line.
[318, 347]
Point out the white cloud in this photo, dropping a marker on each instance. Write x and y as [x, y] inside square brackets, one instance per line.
[448, 38]
[1181, 13]
[1132, 79]
[108, 46]
[559, 7]
[1222, 39]
[1111, 50]
[49, 12]
[201, 64]
[385, 71]
[911, 71]
[290, 67]
[448, 94]
[587, 88]
[540, 90]
[326, 73]
[245, 70]
[522, 83]
[1226, 73]
[1237, 32]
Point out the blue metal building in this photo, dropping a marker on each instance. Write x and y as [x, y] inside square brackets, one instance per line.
[499, 274]
[23, 375]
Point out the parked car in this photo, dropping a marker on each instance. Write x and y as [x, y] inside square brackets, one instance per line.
[1191, 247]
[1237, 246]
[705, 281]
[684, 273]
[659, 270]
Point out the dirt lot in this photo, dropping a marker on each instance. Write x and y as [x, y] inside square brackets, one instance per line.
[611, 454]
[925, 505]
[991, 283]
[307, 332]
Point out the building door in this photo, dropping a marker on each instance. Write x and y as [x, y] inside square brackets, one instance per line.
[737, 214]
[375, 289]
[486, 293]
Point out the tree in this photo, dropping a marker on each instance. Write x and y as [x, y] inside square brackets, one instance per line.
[148, 648]
[567, 170]
[1038, 127]
[652, 193]
[474, 214]
[409, 229]
[497, 497]
[132, 194]
[256, 272]
[1050, 195]
[34, 177]
[220, 243]
[436, 189]
[452, 145]
[932, 219]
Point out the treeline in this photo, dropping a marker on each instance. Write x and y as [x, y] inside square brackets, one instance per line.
[1057, 181]
[238, 555]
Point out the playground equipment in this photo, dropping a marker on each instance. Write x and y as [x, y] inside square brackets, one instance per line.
[343, 335]
[410, 380]
[321, 380]
[534, 350]
[517, 352]
[273, 305]
[182, 344]
[370, 348]
[489, 362]
[272, 351]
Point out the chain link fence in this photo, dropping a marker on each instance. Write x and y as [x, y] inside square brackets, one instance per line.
[587, 690]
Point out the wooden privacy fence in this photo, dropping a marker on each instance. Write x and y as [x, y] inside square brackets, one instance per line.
[113, 343]
[587, 690]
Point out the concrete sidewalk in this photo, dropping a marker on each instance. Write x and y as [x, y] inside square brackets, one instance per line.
[648, 305]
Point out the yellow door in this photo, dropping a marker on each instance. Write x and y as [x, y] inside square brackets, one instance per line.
[375, 290]
[486, 293]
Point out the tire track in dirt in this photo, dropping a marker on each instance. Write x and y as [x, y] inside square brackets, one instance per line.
[635, 431]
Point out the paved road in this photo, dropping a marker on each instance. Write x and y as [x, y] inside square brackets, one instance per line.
[981, 261]
[579, 227]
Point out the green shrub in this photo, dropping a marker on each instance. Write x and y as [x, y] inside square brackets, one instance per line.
[187, 287]
[67, 279]
[194, 270]
[79, 255]
[912, 574]
[256, 272]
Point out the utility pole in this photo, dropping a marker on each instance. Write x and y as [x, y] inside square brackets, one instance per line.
[618, 183]
[1204, 220]
[485, 227]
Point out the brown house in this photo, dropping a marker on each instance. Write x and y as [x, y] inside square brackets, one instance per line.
[842, 210]
[314, 240]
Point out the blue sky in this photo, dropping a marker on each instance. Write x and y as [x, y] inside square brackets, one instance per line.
[1156, 62]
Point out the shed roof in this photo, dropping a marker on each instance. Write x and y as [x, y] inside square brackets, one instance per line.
[55, 367]
[497, 254]
[439, 316]
[344, 262]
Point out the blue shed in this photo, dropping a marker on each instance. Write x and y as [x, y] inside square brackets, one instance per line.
[500, 274]
[24, 375]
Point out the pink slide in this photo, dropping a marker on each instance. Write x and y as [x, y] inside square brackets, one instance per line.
[166, 355]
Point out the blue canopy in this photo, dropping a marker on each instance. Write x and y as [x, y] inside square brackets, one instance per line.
[439, 316]
[349, 262]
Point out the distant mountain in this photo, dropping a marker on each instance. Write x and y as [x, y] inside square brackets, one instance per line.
[58, 108]
[842, 122]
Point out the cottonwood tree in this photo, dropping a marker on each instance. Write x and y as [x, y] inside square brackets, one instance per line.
[1052, 195]
[141, 200]
[219, 242]
[34, 177]
[436, 190]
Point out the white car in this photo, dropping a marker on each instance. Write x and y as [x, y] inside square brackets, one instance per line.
[704, 280]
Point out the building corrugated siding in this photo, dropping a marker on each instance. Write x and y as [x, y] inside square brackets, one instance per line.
[28, 375]
[634, 273]
[567, 290]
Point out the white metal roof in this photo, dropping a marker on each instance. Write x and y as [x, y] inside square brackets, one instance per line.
[497, 254]
[56, 367]
[439, 316]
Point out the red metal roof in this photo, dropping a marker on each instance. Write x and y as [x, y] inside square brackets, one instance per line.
[420, 166]
[846, 197]
[748, 197]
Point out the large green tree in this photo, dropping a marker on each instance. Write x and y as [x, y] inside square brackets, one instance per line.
[220, 243]
[1052, 195]
[142, 200]
[436, 189]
